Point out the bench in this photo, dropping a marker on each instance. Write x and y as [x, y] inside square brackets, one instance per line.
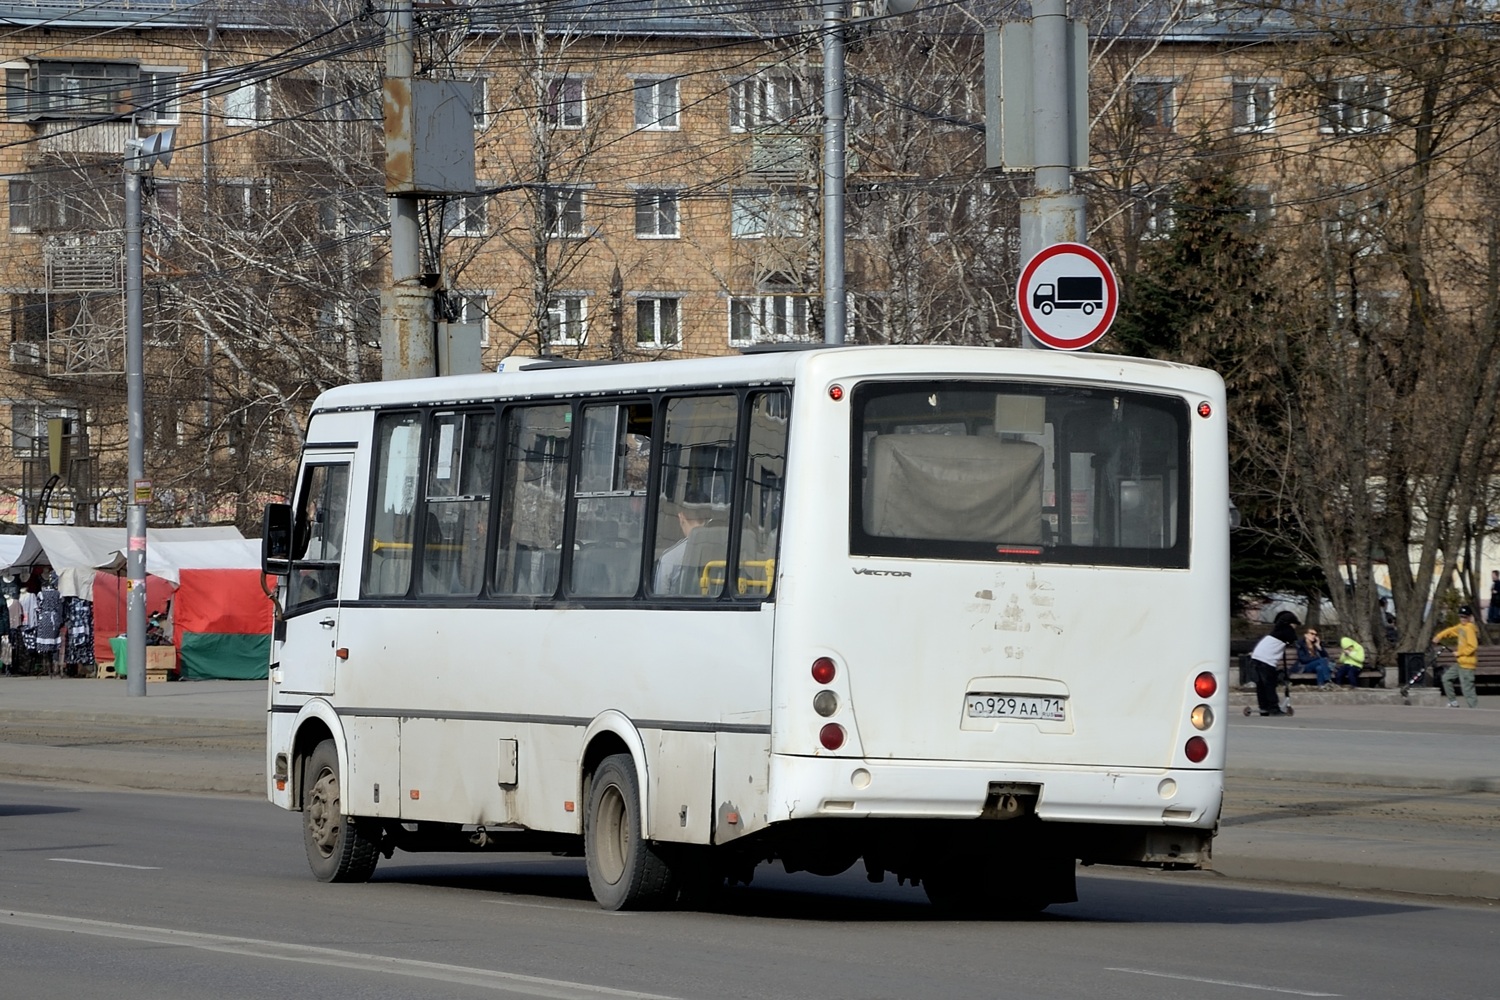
[1488, 665]
[1368, 676]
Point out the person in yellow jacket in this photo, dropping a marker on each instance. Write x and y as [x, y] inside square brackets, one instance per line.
[1351, 662]
[1466, 652]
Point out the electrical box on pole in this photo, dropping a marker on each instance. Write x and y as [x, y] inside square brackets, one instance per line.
[1010, 106]
[429, 136]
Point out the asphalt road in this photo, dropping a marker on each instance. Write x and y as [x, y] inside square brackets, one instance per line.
[133, 896]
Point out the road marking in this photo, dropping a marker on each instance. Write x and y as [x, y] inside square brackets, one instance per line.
[506, 982]
[1224, 982]
[106, 864]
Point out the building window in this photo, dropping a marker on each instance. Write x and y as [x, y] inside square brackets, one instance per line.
[248, 104]
[1155, 218]
[481, 106]
[757, 213]
[655, 214]
[563, 103]
[765, 100]
[464, 216]
[28, 427]
[567, 320]
[20, 205]
[167, 205]
[758, 319]
[656, 104]
[564, 213]
[56, 89]
[1154, 104]
[157, 97]
[656, 322]
[1254, 106]
[243, 203]
[1354, 106]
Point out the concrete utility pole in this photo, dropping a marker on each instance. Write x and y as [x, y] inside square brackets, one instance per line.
[834, 319]
[140, 156]
[407, 346]
[1053, 213]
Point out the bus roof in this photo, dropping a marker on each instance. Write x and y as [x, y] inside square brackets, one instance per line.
[544, 377]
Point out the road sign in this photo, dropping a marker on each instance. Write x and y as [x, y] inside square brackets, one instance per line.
[1067, 296]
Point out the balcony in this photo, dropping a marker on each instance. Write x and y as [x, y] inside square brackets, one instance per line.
[85, 138]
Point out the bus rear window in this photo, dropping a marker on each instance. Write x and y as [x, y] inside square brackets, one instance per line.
[1010, 471]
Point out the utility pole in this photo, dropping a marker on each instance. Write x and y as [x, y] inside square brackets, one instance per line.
[140, 156]
[407, 344]
[834, 319]
[1036, 119]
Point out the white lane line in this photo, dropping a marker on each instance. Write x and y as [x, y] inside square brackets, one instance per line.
[106, 864]
[1224, 982]
[507, 982]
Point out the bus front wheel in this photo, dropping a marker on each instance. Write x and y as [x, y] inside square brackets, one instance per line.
[625, 872]
[337, 848]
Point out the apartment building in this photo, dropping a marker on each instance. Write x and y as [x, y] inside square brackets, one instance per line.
[646, 186]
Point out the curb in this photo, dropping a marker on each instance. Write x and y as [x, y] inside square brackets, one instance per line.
[122, 719]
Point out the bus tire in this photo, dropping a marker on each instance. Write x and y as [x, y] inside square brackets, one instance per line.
[337, 848]
[625, 871]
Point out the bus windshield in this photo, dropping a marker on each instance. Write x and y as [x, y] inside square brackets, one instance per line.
[1019, 472]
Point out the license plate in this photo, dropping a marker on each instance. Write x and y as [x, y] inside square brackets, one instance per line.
[1016, 706]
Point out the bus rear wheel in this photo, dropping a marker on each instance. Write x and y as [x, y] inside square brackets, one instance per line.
[337, 848]
[625, 871]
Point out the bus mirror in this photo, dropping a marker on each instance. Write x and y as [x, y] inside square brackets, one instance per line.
[276, 539]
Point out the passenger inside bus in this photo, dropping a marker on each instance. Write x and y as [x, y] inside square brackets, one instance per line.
[677, 572]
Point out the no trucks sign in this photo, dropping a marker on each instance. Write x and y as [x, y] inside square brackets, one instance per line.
[1067, 296]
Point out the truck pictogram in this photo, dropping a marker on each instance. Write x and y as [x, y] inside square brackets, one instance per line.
[1086, 293]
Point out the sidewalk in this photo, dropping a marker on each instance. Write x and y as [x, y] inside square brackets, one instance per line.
[1357, 790]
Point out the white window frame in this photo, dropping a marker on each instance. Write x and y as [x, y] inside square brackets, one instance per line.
[248, 104]
[161, 84]
[563, 213]
[1253, 105]
[657, 104]
[22, 195]
[659, 210]
[768, 319]
[481, 103]
[568, 320]
[561, 106]
[1155, 212]
[1355, 106]
[254, 201]
[766, 99]
[466, 215]
[656, 310]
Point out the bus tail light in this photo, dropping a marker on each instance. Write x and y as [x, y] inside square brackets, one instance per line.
[1205, 684]
[823, 670]
[1203, 717]
[1196, 749]
[825, 703]
[831, 736]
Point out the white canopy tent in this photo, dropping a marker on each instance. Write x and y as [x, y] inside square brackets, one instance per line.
[76, 553]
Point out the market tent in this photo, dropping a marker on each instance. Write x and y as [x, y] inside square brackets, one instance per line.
[78, 554]
[221, 616]
[10, 548]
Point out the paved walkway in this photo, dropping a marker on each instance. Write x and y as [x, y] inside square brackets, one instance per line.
[1357, 790]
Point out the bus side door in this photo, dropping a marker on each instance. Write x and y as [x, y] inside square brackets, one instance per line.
[310, 650]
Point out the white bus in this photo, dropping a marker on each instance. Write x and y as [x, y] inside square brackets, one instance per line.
[959, 613]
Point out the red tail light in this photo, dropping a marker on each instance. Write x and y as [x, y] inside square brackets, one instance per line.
[1196, 749]
[831, 736]
[823, 670]
[1205, 684]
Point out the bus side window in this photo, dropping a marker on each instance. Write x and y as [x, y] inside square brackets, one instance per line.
[610, 521]
[392, 518]
[318, 534]
[697, 476]
[765, 476]
[533, 488]
[460, 468]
